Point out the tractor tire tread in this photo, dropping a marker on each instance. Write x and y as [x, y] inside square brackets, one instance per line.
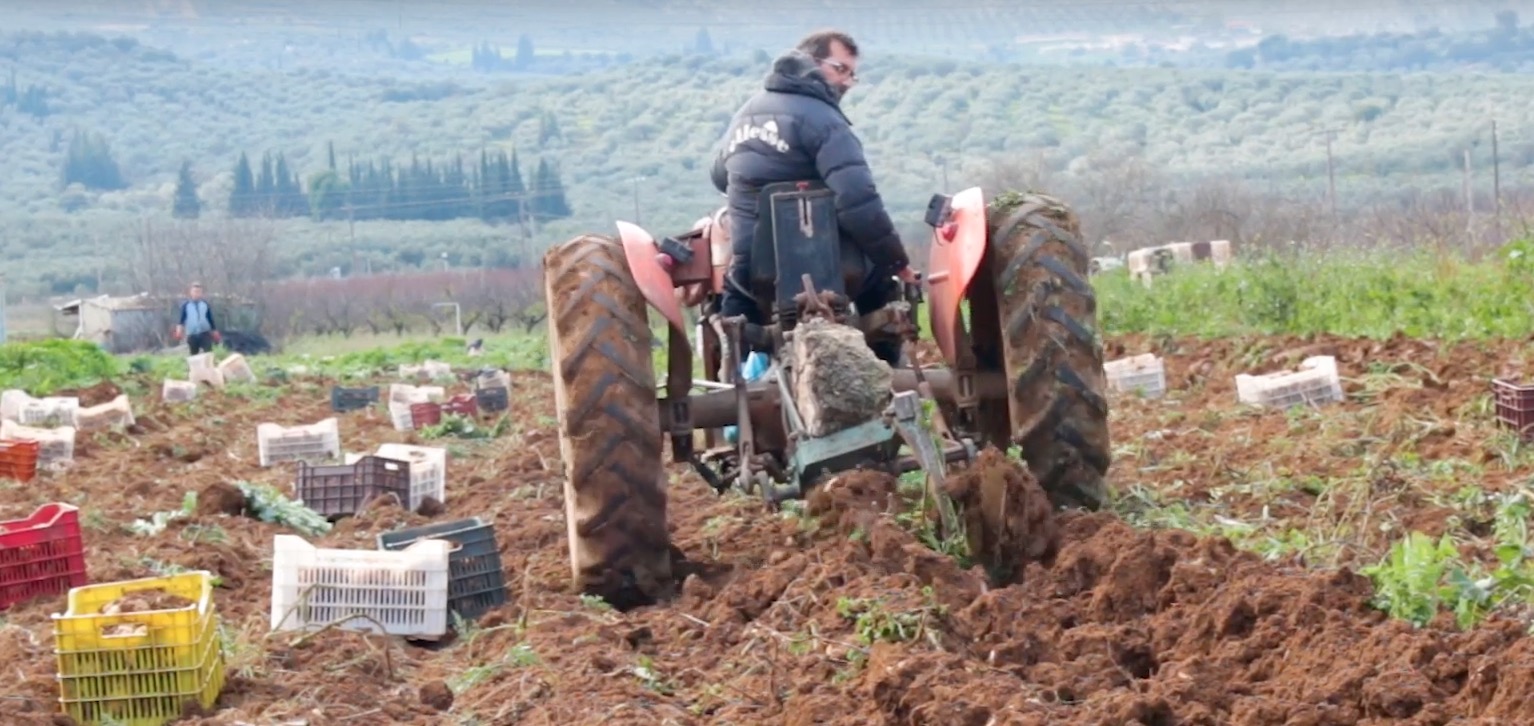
[1053, 356]
[610, 440]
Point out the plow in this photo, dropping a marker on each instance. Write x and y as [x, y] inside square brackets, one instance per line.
[815, 386]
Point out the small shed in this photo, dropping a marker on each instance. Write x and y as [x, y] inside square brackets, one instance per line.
[142, 322]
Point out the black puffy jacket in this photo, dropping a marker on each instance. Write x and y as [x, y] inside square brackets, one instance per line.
[794, 130]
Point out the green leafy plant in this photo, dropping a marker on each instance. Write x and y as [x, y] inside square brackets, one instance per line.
[45, 366]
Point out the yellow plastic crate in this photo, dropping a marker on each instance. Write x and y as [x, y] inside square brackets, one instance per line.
[148, 664]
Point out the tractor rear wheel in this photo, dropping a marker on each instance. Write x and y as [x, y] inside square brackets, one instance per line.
[1035, 316]
[609, 425]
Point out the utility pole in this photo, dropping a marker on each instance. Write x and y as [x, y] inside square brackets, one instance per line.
[1496, 183]
[1331, 176]
[1469, 199]
[636, 181]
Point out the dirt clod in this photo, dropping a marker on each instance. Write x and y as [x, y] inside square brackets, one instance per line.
[221, 497]
[437, 695]
[1007, 517]
[430, 507]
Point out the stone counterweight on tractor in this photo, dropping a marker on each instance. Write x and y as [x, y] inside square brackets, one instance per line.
[1024, 367]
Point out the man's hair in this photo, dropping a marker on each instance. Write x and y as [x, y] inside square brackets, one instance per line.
[818, 43]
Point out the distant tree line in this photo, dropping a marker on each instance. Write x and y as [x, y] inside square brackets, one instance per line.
[487, 58]
[492, 189]
[1505, 46]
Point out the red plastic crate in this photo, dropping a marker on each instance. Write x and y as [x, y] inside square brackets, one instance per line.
[430, 414]
[1515, 407]
[463, 404]
[425, 414]
[41, 555]
[18, 460]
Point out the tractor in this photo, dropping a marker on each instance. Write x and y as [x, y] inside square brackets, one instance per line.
[1009, 306]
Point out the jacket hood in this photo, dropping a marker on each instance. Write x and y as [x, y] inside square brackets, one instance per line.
[797, 72]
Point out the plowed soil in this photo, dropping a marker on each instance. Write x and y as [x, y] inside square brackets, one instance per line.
[841, 615]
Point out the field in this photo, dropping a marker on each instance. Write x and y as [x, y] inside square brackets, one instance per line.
[1357, 562]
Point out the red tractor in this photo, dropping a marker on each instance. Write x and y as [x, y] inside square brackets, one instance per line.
[1010, 308]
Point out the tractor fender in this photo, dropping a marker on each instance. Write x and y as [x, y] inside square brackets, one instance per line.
[654, 281]
[958, 247]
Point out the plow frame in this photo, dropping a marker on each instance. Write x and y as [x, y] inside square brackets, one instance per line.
[763, 412]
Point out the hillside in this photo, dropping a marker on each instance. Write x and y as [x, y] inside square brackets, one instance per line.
[286, 32]
[921, 120]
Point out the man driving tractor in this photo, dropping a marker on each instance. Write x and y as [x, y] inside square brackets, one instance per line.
[794, 130]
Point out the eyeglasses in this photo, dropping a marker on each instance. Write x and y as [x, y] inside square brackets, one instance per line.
[841, 67]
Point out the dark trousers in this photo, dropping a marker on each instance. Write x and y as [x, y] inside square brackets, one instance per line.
[200, 343]
[876, 294]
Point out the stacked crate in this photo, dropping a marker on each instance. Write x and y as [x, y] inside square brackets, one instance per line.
[476, 583]
[126, 656]
[403, 593]
[492, 390]
[55, 447]
[338, 491]
[403, 396]
[428, 470]
[18, 460]
[431, 412]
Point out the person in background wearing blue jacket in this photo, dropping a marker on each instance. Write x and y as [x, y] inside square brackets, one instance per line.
[196, 322]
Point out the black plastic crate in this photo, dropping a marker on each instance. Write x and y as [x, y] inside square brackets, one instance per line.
[493, 400]
[352, 399]
[476, 583]
[341, 490]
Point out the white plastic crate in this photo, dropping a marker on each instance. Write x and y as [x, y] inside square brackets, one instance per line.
[16, 405]
[404, 591]
[428, 470]
[314, 442]
[235, 368]
[1314, 382]
[401, 395]
[492, 379]
[1144, 374]
[427, 371]
[55, 447]
[399, 415]
[178, 391]
[200, 369]
[117, 412]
